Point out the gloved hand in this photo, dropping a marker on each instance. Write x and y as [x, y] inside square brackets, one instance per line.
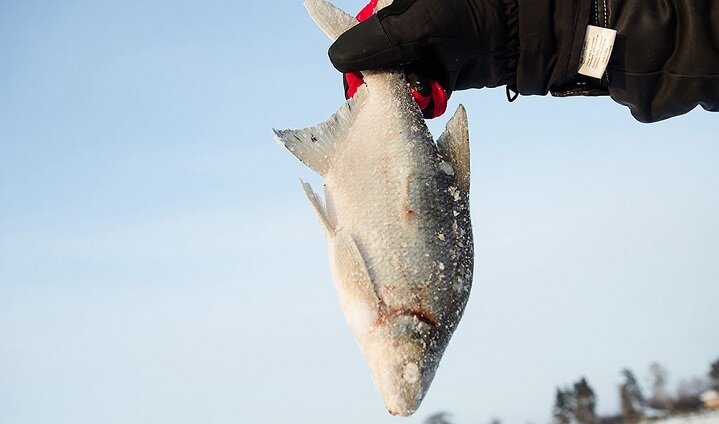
[459, 43]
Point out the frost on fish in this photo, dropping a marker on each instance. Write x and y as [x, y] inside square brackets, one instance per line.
[396, 216]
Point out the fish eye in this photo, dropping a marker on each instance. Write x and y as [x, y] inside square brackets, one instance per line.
[412, 327]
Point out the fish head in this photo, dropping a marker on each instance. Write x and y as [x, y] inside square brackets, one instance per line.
[401, 354]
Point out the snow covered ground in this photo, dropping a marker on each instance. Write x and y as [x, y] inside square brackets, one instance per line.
[700, 418]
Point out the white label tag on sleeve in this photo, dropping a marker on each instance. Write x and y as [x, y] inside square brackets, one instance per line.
[598, 45]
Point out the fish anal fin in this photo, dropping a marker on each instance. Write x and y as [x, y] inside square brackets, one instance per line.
[316, 146]
[453, 145]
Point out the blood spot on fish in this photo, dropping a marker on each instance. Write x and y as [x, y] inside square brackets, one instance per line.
[409, 213]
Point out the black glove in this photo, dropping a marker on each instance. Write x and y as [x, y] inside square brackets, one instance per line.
[459, 43]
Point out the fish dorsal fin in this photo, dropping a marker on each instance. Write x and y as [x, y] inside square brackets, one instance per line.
[315, 146]
[319, 208]
[453, 144]
[332, 20]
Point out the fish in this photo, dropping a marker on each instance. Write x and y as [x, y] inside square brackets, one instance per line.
[396, 216]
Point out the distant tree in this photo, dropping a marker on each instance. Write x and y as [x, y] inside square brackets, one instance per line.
[692, 387]
[658, 376]
[495, 421]
[584, 403]
[563, 406]
[688, 391]
[714, 373]
[438, 418]
[631, 398]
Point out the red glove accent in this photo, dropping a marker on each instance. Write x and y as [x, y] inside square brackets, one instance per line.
[353, 81]
[432, 105]
[367, 11]
[439, 98]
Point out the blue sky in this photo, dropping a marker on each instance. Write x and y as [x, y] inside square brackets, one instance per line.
[159, 262]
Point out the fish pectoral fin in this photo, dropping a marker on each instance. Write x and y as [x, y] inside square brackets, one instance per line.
[352, 271]
[453, 144]
[319, 208]
[316, 146]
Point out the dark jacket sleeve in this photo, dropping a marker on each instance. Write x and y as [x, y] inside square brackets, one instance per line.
[666, 56]
[551, 36]
[665, 60]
